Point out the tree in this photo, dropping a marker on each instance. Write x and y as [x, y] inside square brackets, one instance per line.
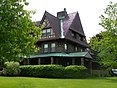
[106, 46]
[15, 28]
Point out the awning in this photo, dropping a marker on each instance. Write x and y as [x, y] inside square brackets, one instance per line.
[78, 54]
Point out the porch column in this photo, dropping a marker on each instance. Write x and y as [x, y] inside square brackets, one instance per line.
[82, 61]
[52, 60]
[39, 60]
[73, 61]
[28, 61]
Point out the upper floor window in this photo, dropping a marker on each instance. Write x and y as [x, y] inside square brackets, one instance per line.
[44, 32]
[47, 33]
[73, 34]
[66, 47]
[81, 38]
[76, 48]
[53, 45]
[45, 47]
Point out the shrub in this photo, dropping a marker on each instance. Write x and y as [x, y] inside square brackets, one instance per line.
[42, 70]
[11, 68]
[75, 71]
[101, 73]
[54, 71]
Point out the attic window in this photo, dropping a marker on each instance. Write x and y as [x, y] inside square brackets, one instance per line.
[46, 32]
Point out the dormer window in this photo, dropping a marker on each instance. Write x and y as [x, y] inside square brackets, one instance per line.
[44, 32]
[47, 33]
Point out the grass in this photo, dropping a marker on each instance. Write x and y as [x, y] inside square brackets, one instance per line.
[27, 82]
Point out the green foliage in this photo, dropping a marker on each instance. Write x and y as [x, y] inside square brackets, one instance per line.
[15, 28]
[101, 73]
[106, 46]
[75, 71]
[11, 68]
[54, 71]
[42, 70]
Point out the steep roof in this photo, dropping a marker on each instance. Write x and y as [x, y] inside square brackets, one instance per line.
[68, 21]
[71, 22]
[54, 22]
[77, 25]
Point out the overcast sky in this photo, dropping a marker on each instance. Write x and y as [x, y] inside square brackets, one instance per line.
[89, 11]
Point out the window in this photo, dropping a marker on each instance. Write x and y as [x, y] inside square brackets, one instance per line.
[81, 50]
[53, 47]
[66, 47]
[81, 38]
[48, 32]
[44, 32]
[45, 47]
[73, 34]
[76, 48]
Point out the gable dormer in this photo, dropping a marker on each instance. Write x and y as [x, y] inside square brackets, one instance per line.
[47, 31]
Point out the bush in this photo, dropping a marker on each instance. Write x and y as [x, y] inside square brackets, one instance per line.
[54, 71]
[75, 71]
[11, 68]
[101, 73]
[42, 70]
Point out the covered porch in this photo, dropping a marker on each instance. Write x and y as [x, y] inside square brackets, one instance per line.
[65, 59]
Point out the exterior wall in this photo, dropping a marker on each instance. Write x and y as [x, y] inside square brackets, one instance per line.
[60, 46]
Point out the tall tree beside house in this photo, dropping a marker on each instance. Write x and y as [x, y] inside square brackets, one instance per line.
[16, 30]
[106, 46]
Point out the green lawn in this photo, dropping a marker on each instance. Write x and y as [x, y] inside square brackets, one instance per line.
[27, 82]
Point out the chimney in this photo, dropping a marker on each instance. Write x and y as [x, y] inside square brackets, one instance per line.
[62, 14]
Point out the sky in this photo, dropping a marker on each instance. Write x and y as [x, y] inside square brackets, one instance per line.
[89, 11]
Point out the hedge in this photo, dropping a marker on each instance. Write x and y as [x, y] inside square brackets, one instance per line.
[53, 71]
[75, 71]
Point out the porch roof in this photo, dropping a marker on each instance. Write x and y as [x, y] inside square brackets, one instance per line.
[78, 54]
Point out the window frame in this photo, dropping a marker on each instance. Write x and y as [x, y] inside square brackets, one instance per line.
[46, 49]
[53, 49]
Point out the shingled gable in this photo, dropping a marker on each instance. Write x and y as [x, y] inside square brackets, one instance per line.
[68, 21]
[54, 23]
[76, 25]
[72, 22]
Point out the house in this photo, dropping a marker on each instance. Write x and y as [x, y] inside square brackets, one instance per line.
[62, 42]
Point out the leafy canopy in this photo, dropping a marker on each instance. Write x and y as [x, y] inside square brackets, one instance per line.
[16, 28]
[106, 44]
